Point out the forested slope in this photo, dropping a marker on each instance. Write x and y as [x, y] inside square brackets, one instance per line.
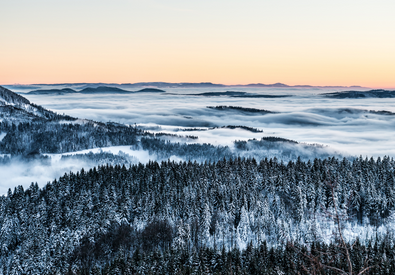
[84, 221]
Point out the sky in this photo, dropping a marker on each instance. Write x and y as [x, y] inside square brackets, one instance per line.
[316, 42]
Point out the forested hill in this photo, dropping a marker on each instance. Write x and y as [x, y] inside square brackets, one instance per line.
[16, 108]
[8, 97]
[82, 222]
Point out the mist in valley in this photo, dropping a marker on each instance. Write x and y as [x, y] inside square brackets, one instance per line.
[322, 127]
[351, 126]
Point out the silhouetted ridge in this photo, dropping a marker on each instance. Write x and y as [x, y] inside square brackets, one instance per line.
[53, 91]
[150, 90]
[17, 108]
[240, 109]
[103, 89]
[227, 93]
[93, 90]
[164, 85]
[238, 94]
[275, 85]
[8, 97]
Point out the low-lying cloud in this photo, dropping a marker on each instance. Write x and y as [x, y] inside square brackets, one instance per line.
[18, 172]
[343, 124]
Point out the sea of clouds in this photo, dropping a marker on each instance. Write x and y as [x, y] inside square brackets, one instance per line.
[346, 126]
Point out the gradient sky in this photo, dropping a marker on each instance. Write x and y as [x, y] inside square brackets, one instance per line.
[317, 42]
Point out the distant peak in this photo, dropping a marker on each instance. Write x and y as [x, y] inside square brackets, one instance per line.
[150, 90]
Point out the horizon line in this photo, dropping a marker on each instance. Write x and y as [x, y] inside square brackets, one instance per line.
[208, 82]
[202, 82]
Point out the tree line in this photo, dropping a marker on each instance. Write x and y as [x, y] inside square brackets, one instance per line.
[189, 207]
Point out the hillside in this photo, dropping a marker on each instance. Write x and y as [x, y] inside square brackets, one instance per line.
[16, 108]
[53, 91]
[8, 97]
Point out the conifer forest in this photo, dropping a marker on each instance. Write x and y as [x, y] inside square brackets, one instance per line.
[260, 204]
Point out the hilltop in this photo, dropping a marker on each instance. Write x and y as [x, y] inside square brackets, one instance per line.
[17, 108]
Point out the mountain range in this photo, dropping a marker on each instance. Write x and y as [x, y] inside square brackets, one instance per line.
[163, 85]
[94, 90]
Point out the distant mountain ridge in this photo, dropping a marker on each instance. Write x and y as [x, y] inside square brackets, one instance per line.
[92, 90]
[163, 85]
[236, 94]
[53, 91]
